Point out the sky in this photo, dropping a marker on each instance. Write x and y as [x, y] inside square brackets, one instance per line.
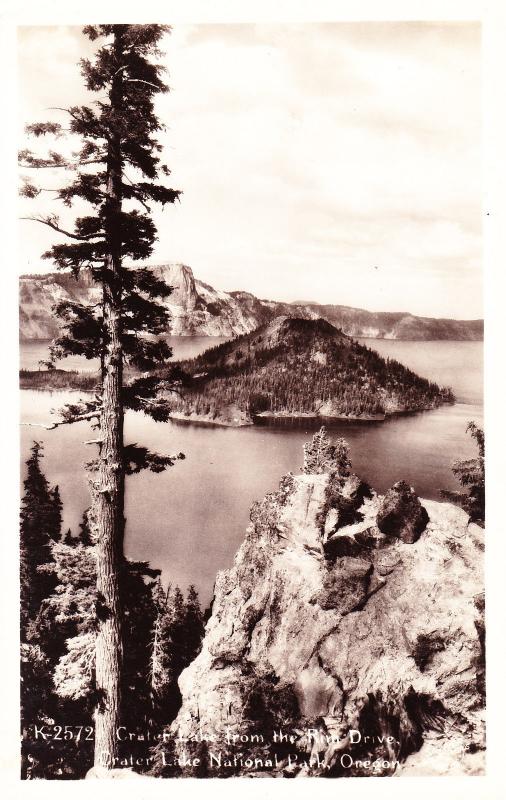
[335, 163]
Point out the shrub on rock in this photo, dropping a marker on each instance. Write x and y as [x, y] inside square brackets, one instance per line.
[322, 455]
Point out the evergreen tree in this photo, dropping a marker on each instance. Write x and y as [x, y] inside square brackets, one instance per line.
[323, 455]
[170, 656]
[58, 654]
[40, 524]
[85, 536]
[193, 625]
[471, 475]
[57, 507]
[176, 639]
[43, 633]
[137, 585]
[61, 659]
[68, 539]
[115, 172]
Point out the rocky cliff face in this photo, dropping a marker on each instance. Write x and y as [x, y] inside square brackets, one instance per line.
[335, 649]
[198, 309]
[38, 295]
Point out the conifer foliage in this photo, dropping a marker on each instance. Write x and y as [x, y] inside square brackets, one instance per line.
[177, 634]
[162, 633]
[322, 454]
[40, 525]
[42, 633]
[116, 173]
[470, 473]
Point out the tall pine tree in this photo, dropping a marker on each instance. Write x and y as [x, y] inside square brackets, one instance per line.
[116, 172]
[40, 524]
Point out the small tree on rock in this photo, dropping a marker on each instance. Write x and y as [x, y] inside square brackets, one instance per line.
[322, 455]
[470, 473]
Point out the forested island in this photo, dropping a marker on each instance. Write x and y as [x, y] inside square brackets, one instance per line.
[294, 367]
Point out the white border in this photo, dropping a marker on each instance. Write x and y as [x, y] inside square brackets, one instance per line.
[493, 16]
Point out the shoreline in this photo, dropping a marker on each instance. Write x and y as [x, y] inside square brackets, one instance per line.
[37, 341]
[239, 419]
[265, 419]
[268, 419]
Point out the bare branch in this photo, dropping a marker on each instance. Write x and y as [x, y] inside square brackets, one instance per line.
[50, 224]
[52, 425]
[67, 110]
[37, 425]
[46, 164]
[139, 80]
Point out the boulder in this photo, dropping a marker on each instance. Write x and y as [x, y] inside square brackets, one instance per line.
[401, 514]
[354, 543]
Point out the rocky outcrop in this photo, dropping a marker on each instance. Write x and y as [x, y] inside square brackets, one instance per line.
[401, 514]
[199, 309]
[365, 658]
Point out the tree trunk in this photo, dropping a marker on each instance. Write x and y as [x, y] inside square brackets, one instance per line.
[109, 519]
[109, 491]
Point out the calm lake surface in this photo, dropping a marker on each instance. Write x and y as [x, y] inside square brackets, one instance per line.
[190, 520]
[31, 353]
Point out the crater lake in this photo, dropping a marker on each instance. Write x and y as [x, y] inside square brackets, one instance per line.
[190, 520]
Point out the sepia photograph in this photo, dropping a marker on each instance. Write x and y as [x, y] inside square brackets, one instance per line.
[250, 259]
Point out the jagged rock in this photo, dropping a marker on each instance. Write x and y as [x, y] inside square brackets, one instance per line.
[346, 585]
[342, 545]
[351, 543]
[349, 518]
[344, 503]
[388, 642]
[331, 522]
[371, 538]
[401, 514]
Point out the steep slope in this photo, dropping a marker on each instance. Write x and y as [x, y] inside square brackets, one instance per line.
[195, 307]
[198, 309]
[291, 367]
[360, 658]
[38, 294]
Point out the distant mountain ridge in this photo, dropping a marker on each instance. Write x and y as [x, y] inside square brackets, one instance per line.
[197, 309]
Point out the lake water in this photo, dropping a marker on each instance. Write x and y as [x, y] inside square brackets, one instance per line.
[31, 353]
[190, 520]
